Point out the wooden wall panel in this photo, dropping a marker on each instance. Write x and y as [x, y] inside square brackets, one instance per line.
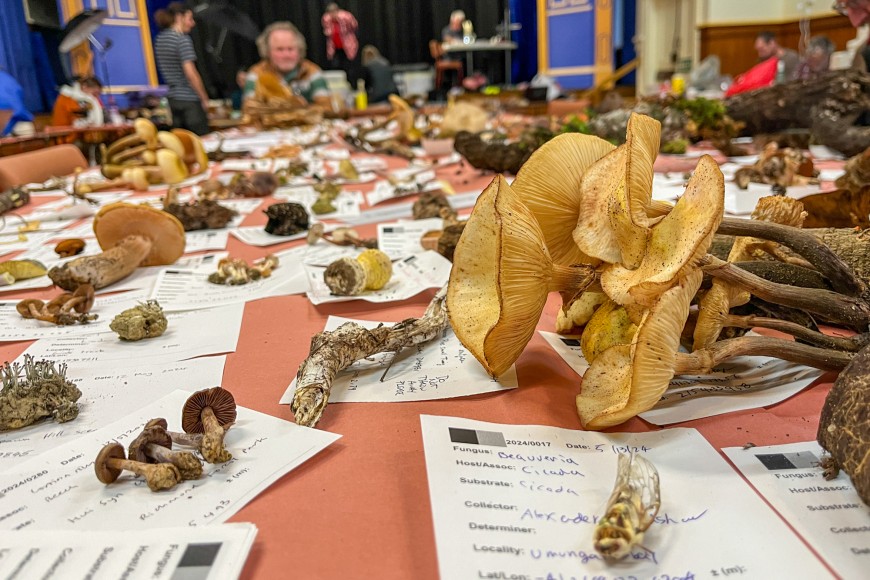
[734, 44]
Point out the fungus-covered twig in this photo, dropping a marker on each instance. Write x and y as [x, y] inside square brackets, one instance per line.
[111, 461]
[334, 351]
[36, 390]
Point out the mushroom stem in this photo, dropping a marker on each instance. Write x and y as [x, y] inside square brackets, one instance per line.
[187, 463]
[103, 269]
[212, 447]
[158, 475]
[837, 308]
[703, 361]
[842, 278]
[571, 281]
[849, 344]
[189, 439]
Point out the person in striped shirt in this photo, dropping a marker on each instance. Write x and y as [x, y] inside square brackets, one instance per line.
[285, 74]
[176, 60]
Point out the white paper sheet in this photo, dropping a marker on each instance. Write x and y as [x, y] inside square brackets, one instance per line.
[206, 553]
[184, 338]
[108, 392]
[11, 228]
[14, 327]
[384, 190]
[257, 236]
[439, 369]
[745, 382]
[30, 240]
[58, 490]
[520, 501]
[100, 199]
[737, 201]
[828, 514]
[410, 276]
[396, 211]
[400, 239]
[205, 240]
[177, 289]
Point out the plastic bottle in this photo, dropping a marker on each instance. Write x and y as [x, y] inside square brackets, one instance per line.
[361, 98]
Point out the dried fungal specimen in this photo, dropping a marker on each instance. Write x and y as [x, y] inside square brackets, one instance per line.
[145, 320]
[342, 236]
[429, 205]
[210, 412]
[779, 167]
[13, 270]
[111, 461]
[36, 390]
[258, 184]
[154, 445]
[844, 426]
[327, 192]
[67, 308]
[70, 247]
[235, 271]
[286, 219]
[203, 214]
[371, 270]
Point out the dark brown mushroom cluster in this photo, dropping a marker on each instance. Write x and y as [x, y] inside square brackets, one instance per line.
[286, 219]
[66, 308]
[206, 417]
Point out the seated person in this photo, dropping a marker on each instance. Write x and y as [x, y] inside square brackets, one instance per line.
[767, 48]
[284, 74]
[817, 59]
[12, 99]
[378, 75]
[79, 104]
[452, 33]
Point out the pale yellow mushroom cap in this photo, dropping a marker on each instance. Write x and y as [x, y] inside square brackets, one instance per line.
[676, 243]
[171, 166]
[626, 380]
[499, 280]
[170, 141]
[194, 154]
[549, 184]
[145, 129]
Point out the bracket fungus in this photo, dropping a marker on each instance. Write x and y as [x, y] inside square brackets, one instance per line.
[130, 236]
[371, 270]
[210, 412]
[111, 462]
[501, 275]
[35, 390]
[154, 445]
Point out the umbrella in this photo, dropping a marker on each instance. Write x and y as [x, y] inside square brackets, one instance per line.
[226, 17]
[80, 28]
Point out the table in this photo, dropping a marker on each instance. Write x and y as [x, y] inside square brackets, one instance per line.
[361, 508]
[55, 135]
[483, 46]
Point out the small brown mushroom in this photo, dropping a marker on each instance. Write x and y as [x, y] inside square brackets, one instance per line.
[131, 236]
[154, 445]
[211, 412]
[70, 247]
[111, 461]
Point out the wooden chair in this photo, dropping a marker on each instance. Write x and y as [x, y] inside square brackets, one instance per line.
[37, 166]
[442, 64]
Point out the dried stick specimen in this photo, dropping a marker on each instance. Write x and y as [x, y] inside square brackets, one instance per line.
[334, 351]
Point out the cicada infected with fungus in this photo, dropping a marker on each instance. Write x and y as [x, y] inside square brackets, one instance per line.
[631, 509]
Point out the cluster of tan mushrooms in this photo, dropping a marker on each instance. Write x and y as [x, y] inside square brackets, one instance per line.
[579, 219]
[205, 419]
[64, 309]
[149, 156]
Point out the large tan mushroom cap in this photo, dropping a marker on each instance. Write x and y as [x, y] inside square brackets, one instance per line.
[463, 116]
[549, 183]
[676, 243]
[500, 277]
[116, 221]
[615, 194]
[626, 380]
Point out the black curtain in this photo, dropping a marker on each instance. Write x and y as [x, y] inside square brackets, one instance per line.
[400, 29]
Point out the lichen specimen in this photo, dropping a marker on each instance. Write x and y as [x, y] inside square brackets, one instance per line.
[844, 426]
[145, 320]
[35, 390]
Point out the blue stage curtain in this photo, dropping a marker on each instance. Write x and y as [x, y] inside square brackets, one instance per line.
[16, 55]
[525, 61]
[47, 77]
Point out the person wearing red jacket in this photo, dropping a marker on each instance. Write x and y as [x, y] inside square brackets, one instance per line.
[342, 46]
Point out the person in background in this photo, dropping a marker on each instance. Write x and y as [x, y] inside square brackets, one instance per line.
[767, 47]
[176, 60]
[452, 33]
[79, 104]
[858, 13]
[12, 99]
[239, 91]
[285, 73]
[340, 27]
[378, 75]
[817, 59]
